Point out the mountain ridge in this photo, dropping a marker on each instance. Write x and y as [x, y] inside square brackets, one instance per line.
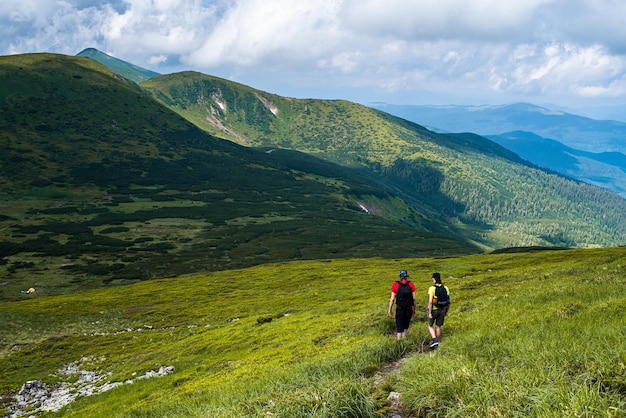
[586, 140]
[100, 185]
[419, 161]
[104, 186]
[107, 184]
[603, 169]
[123, 68]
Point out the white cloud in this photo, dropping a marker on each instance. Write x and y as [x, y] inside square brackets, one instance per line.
[257, 32]
[26, 10]
[155, 60]
[158, 28]
[559, 68]
[441, 19]
[567, 49]
[588, 21]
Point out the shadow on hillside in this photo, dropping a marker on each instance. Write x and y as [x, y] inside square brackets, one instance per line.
[420, 184]
[417, 182]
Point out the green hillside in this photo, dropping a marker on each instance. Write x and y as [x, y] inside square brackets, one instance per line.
[270, 264]
[464, 181]
[101, 185]
[536, 334]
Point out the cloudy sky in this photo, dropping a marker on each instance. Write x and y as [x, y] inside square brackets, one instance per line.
[563, 53]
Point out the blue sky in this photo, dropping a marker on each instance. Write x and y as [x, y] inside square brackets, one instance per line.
[568, 54]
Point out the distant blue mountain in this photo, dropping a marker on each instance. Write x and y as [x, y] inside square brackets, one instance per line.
[604, 169]
[593, 151]
[577, 132]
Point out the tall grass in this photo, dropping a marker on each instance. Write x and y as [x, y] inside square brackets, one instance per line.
[531, 343]
[535, 334]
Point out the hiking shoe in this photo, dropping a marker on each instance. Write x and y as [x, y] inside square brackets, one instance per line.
[434, 343]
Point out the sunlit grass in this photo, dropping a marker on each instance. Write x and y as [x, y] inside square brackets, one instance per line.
[538, 342]
[529, 334]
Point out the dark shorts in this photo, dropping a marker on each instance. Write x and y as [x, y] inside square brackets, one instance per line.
[438, 317]
[403, 318]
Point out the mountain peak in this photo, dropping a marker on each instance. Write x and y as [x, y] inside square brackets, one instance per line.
[118, 66]
[88, 51]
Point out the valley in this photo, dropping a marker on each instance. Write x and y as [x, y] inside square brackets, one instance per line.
[196, 247]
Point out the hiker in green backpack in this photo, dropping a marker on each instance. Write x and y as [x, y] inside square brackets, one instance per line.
[403, 293]
[438, 305]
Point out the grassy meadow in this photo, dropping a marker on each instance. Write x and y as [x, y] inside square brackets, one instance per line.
[529, 334]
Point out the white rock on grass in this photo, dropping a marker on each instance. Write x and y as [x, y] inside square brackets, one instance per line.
[35, 396]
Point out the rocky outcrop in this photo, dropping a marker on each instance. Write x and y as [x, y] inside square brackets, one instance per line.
[35, 396]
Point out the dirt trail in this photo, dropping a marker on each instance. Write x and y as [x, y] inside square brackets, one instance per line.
[395, 398]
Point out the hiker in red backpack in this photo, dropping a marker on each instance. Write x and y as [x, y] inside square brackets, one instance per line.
[438, 305]
[403, 293]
